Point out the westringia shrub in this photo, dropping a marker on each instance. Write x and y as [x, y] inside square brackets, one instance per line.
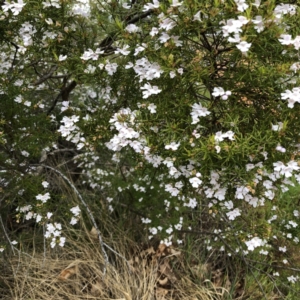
[171, 108]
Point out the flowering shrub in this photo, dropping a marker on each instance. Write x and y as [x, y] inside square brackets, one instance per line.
[170, 108]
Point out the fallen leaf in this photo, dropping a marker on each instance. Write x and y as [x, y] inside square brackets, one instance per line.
[65, 274]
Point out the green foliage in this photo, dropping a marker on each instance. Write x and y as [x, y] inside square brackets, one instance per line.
[185, 114]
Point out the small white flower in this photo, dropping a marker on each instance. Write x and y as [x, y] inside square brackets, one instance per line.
[244, 46]
[62, 57]
[45, 184]
[18, 99]
[75, 210]
[282, 249]
[152, 107]
[62, 241]
[255, 242]
[197, 16]
[131, 28]
[43, 198]
[74, 221]
[25, 153]
[173, 146]
[126, 6]
[292, 279]
[49, 21]
[195, 182]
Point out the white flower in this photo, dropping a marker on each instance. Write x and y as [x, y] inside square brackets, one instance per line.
[38, 218]
[175, 3]
[153, 5]
[172, 146]
[235, 39]
[241, 5]
[277, 127]
[49, 21]
[15, 7]
[126, 6]
[218, 91]
[296, 42]
[195, 182]
[164, 37]
[244, 46]
[62, 57]
[111, 68]
[294, 224]
[282, 249]
[146, 220]
[286, 39]
[218, 149]
[89, 70]
[292, 279]
[169, 230]
[154, 31]
[172, 74]
[233, 214]
[45, 184]
[233, 26]
[62, 241]
[74, 221]
[149, 90]
[198, 111]
[228, 204]
[131, 28]
[90, 54]
[18, 99]
[254, 243]
[259, 23]
[280, 149]
[25, 153]
[197, 16]
[292, 96]
[75, 210]
[44, 198]
[152, 107]
[123, 50]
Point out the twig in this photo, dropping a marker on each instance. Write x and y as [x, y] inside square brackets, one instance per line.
[6, 235]
[46, 76]
[64, 94]
[88, 211]
[102, 244]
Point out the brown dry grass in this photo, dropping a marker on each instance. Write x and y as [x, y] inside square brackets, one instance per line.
[76, 272]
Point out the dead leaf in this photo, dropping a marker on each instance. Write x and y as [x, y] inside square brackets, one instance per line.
[166, 270]
[65, 274]
[94, 233]
[161, 249]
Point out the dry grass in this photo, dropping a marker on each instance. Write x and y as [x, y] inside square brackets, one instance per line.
[76, 272]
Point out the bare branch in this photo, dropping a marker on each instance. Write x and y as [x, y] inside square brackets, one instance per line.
[46, 76]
